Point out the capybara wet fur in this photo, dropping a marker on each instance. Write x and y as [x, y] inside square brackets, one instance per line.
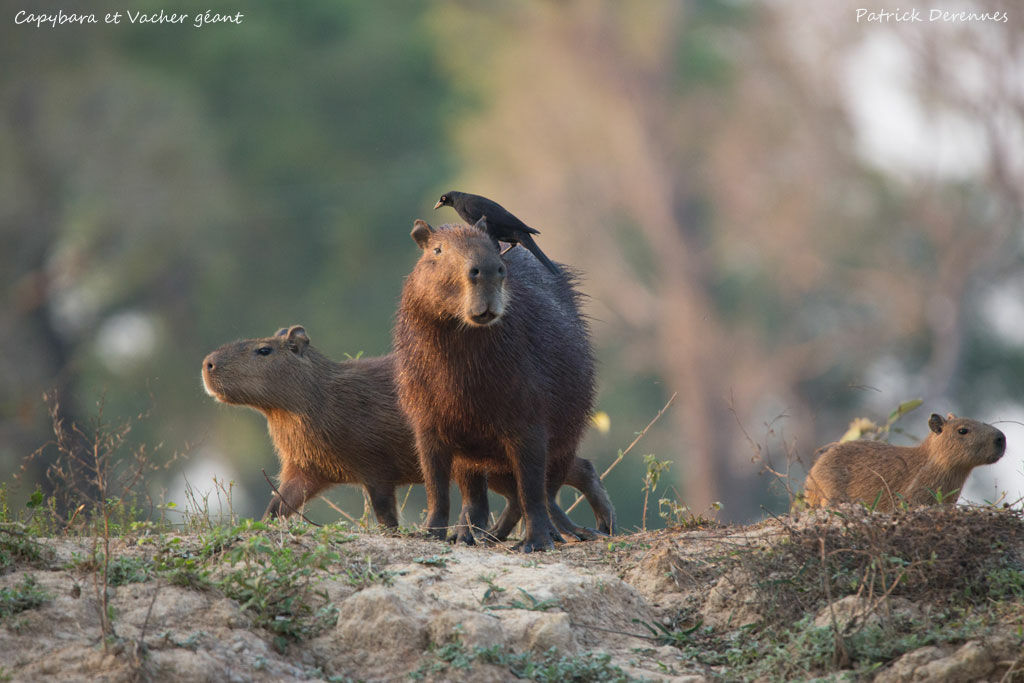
[495, 372]
[884, 476]
[337, 423]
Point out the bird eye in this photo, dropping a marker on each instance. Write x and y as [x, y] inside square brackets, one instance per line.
[264, 350]
[437, 250]
[963, 430]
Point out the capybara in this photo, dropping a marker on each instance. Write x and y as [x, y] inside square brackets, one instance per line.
[336, 423]
[495, 372]
[870, 471]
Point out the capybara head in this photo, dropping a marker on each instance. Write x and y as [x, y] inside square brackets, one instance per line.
[962, 443]
[266, 373]
[460, 274]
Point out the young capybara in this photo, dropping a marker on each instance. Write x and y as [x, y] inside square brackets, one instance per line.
[495, 372]
[867, 471]
[337, 423]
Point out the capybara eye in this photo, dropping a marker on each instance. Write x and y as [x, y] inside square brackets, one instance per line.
[437, 250]
[963, 430]
[265, 350]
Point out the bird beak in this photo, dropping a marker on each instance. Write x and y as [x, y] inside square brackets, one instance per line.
[438, 205]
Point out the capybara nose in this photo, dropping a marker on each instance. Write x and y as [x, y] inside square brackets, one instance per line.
[484, 318]
[1001, 440]
[489, 271]
[209, 363]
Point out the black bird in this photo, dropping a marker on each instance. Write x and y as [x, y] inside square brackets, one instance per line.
[501, 225]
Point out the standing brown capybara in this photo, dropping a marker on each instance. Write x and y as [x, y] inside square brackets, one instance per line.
[495, 372]
[336, 423]
[870, 471]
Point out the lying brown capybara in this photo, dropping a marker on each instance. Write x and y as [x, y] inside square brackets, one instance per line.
[495, 372]
[339, 423]
[936, 468]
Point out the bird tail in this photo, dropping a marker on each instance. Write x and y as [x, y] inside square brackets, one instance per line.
[541, 256]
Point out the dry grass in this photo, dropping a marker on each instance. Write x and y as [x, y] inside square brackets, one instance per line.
[937, 554]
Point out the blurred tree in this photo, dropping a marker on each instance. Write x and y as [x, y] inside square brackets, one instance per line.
[169, 188]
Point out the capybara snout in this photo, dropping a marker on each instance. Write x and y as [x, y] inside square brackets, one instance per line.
[485, 296]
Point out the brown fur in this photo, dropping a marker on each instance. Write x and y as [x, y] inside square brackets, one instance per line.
[867, 471]
[495, 373]
[339, 423]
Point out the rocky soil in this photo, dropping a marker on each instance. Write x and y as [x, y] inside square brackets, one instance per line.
[291, 602]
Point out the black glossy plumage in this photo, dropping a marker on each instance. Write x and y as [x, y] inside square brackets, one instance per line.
[501, 224]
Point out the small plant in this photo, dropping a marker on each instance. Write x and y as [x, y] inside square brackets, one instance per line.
[124, 569]
[863, 428]
[941, 496]
[655, 468]
[493, 589]
[676, 514]
[363, 576]
[1005, 583]
[17, 545]
[548, 667]
[22, 596]
[98, 478]
[432, 561]
[276, 584]
[200, 514]
[664, 635]
[534, 605]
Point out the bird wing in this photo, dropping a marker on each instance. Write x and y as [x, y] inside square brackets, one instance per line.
[511, 220]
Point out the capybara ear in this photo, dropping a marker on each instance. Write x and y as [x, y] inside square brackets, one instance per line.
[950, 416]
[281, 332]
[935, 423]
[481, 224]
[297, 339]
[421, 231]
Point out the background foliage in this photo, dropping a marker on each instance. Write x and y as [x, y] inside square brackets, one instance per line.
[782, 212]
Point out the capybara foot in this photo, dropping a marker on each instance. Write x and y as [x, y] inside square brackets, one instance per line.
[581, 533]
[436, 532]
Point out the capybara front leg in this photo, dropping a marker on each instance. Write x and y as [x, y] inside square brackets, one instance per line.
[530, 461]
[436, 463]
[295, 489]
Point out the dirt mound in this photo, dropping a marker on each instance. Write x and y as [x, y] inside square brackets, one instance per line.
[910, 596]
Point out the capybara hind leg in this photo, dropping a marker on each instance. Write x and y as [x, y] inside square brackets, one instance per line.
[475, 508]
[566, 526]
[385, 507]
[583, 477]
[505, 485]
[295, 491]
